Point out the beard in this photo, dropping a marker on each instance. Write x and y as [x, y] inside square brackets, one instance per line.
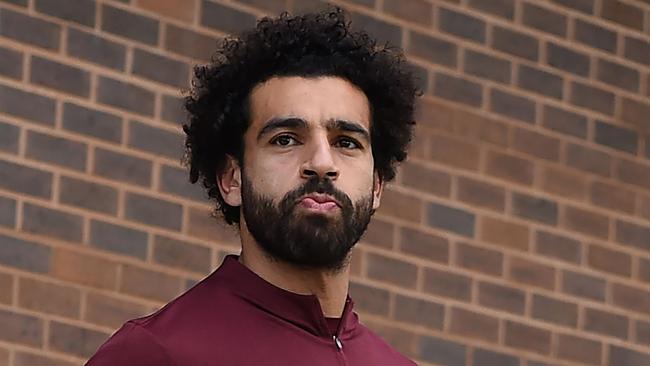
[306, 239]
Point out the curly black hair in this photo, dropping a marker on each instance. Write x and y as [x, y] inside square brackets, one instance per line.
[308, 45]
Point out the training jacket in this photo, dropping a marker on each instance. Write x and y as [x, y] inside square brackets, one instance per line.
[234, 317]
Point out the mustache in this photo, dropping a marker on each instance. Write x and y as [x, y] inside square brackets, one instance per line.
[316, 185]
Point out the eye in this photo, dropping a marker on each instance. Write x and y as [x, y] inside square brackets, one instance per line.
[348, 143]
[284, 140]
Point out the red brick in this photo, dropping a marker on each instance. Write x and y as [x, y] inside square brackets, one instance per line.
[631, 298]
[369, 299]
[579, 349]
[622, 13]
[137, 281]
[400, 205]
[558, 247]
[84, 269]
[531, 273]
[49, 298]
[419, 312]
[515, 43]
[418, 11]
[642, 332]
[502, 298]
[447, 284]
[6, 288]
[180, 254]
[75, 340]
[379, 233]
[613, 197]
[472, 325]
[225, 18]
[461, 25]
[188, 43]
[589, 160]
[22, 358]
[391, 270]
[201, 224]
[644, 269]
[425, 179]
[130, 25]
[606, 323]
[564, 182]
[29, 30]
[479, 259]
[535, 208]
[628, 357]
[512, 105]
[454, 152]
[554, 311]
[582, 285]
[433, 248]
[111, 311]
[182, 10]
[502, 8]
[402, 340]
[527, 338]
[536, 144]
[480, 193]
[545, 20]
[21, 329]
[586, 222]
[595, 36]
[608, 260]
[432, 49]
[504, 233]
[633, 173]
[457, 89]
[451, 219]
[510, 168]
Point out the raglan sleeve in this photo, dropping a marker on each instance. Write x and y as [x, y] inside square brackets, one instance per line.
[131, 345]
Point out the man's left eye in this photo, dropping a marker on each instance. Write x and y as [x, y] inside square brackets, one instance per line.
[347, 143]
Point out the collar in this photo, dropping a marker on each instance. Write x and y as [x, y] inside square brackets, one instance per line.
[303, 311]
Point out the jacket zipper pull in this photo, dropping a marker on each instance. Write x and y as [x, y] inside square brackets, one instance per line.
[338, 343]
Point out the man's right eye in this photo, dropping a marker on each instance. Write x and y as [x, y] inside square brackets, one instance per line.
[284, 140]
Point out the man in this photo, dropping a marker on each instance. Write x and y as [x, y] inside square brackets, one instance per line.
[294, 129]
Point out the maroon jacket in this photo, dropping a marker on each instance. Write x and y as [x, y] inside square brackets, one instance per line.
[234, 317]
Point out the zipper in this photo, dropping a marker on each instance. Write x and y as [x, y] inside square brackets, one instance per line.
[338, 343]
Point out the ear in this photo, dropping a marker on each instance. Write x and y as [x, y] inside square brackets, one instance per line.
[229, 182]
[378, 186]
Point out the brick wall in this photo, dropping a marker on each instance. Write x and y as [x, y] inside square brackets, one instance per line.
[517, 234]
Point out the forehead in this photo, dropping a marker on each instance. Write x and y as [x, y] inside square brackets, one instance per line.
[315, 100]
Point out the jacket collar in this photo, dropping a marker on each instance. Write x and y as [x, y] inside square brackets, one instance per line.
[303, 311]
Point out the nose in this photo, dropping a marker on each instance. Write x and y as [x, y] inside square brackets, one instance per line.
[320, 162]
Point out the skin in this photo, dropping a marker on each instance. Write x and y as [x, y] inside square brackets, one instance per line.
[281, 159]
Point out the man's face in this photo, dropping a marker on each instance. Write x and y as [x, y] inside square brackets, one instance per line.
[308, 183]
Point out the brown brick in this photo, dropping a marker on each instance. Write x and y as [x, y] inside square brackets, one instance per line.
[370, 299]
[457, 89]
[483, 357]
[127, 96]
[84, 269]
[564, 182]
[644, 207]
[120, 167]
[637, 49]
[82, 12]
[158, 141]
[631, 298]
[563, 121]
[596, 99]
[613, 197]
[4, 355]
[129, 25]
[22, 358]
[512, 106]
[30, 30]
[30, 106]
[174, 253]
[589, 160]
[606, 323]
[579, 349]
[584, 6]
[472, 325]
[391, 270]
[644, 269]
[6, 288]
[622, 13]
[201, 224]
[95, 49]
[618, 75]
[75, 340]
[383, 31]
[534, 208]
[478, 127]
[582, 285]
[25, 255]
[558, 247]
[397, 204]
[633, 173]
[635, 113]
[12, 67]
[432, 49]
[49, 298]
[278, 6]
[7, 212]
[504, 233]
[502, 298]
[111, 311]
[21, 329]
[160, 68]
[419, 312]
[502, 8]
[445, 284]
[91, 122]
[481, 194]
[118, 239]
[56, 150]
[536, 144]
[595, 36]
[540, 81]
[153, 211]
[425, 179]
[510, 168]
[88, 195]
[554, 311]
[401, 340]
[486, 66]
[515, 43]
[446, 150]
[433, 248]
[177, 9]
[9, 135]
[137, 281]
[611, 261]
[461, 25]
[452, 219]
[479, 259]
[567, 59]
[25, 180]
[532, 273]
[379, 233]
[586, 222]
[225, 18]
[624, 356]
[642, 332]
[172, 109]
[52, 223]
[418, 11]
[188, 43]
[527, 338]
[544, 19]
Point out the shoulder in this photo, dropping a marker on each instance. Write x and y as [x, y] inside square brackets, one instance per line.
[131, 345]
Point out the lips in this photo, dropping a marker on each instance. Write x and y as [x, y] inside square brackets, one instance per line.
[319, 202]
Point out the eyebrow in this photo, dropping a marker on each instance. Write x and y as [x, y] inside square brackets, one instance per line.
[299, 123]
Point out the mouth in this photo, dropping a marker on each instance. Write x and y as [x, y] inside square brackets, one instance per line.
[319, 203]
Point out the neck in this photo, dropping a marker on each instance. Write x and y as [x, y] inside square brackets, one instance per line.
[330, 288]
